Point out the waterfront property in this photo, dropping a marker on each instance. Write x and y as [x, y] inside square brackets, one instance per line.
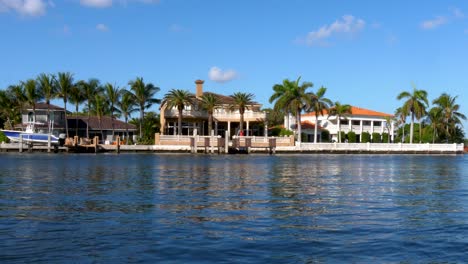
[359, 121]
[225, 117]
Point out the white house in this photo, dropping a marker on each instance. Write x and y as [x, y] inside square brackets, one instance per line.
[361, 120]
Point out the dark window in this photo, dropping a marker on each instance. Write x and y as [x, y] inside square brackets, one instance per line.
[377, 123]
[344, 122]
[366, 123]
[356, 123]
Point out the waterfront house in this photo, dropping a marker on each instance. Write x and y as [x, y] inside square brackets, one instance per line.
[225, 117]
[361, 120]
[57, 124]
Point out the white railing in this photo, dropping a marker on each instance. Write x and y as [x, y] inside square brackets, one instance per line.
[381, 147]
[216, 115]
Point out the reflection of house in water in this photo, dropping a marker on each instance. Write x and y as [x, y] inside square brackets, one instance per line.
[76, 125]
[225, 117]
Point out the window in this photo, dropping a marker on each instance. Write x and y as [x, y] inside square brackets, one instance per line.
[377, 123]
[356, 123]
[344, 122]
[366, 123]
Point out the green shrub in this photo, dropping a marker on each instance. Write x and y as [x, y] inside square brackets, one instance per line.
[376, 137]
[365, 137]
[3, 138]
[285, 132]
[343, 137]
[275, 131]
[325, 135]
[352, 137]
[385, 138]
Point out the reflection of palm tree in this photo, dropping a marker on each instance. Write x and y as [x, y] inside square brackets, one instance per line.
[127, 107]
[144, 94]
[318, 104]
[416, 103]
[209, 102]
[47, 89]
[177, 98]
[340, 110]
[63, 85]
[242, 102]
[450, 111]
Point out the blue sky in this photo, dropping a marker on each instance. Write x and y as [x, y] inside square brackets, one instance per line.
[364, 52]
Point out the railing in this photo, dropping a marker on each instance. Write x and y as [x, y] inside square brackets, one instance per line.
[263, 142]
[216, 115]
[381, 147]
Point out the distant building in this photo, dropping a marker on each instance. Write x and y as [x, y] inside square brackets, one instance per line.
[225, 118]
[361, 120]
[57, 124]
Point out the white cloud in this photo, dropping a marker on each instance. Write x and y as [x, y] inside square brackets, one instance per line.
[457, 13]
[102, 27]
[96, 3]
[217, 75]
[347, 25]
[24, 7]
[434, 23]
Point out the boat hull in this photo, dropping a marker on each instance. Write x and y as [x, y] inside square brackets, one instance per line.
[41, 138]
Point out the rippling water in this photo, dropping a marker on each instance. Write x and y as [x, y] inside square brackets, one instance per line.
[233, 208]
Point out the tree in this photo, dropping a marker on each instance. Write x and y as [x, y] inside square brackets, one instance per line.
[177, 98]
[99, 110]
[280, 92]
[144, 96]
[113, 94]
[77, 97]
[436, 119]
[127, 106]
[47, 90]
[32, 94]
[415, 104]
[9, 108]
[318, 104]
[450, 111]
[401, 115]
[63, 85]
[340, 110]
[90, 89]
[242, 101]
[209, 102]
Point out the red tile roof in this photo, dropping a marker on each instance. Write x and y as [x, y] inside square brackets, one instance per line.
[356, 111]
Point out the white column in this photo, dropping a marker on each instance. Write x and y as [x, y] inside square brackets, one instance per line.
[229, 128]
[371, 127]
[391, 132]
[350, 125]
[247, 127]
[360, 128]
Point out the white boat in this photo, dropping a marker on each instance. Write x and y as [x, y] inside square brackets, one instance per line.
[29, 135]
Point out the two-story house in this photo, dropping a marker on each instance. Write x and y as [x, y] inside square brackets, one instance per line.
[225, 117]
[359, 121]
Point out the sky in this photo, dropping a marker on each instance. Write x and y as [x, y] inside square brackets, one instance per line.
[364, 52]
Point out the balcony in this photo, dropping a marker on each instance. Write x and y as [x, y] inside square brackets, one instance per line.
[219, 115]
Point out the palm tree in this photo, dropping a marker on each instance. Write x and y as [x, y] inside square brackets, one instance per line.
[209, 102]
[127, 107]
[19, 100]
[401, 115]
[340, 110]
[241, 102]
[179, 99]
[281, 91]
[113, 94]
[32, 94]
[436, 118]
[144, 94]
[47, 90]
[99, 110]
[90, 89]
[8, 108]
[318, 104]
[63, 84]
[77, 97]
[388, 125]
[450, 111]
[416, 103]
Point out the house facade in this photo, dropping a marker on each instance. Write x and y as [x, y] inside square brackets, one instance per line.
[359, 121]
[225, 117]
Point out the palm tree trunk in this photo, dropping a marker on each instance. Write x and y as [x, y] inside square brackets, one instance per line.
[241, 123]
[141, 120]
[299, 126]
[339, 129]
[433, 136]
[100, 127]
[287, 120]
[210, 123]
[66, 120]
[316, 127]
[412, 128]
[179, 121]
[76, 120]
[89, 117]
[126, 130]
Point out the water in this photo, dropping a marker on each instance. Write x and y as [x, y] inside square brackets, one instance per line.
[233, 208]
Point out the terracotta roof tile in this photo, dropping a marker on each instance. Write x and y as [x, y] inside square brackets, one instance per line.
[357, 111]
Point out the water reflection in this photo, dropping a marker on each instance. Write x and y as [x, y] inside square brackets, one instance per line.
[211, 208]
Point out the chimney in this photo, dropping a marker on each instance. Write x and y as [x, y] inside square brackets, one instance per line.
[199, 91]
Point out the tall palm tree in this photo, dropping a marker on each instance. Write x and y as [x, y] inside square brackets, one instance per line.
[281, 91]
[340, 111]
[144, 96]
[113, 94]
[436, 118]
[77, 97]
[242, 101]
[32, 94]
[177, 98]
[388, 125]
[90, 89]
[99, 110]
[451, 112]
[318, 103]
[47, 89]
[64, 83]
[415, 104]
[209, 102]
[401, 115]
[127, 106]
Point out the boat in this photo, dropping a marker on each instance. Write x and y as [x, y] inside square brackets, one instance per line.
[30, 135]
